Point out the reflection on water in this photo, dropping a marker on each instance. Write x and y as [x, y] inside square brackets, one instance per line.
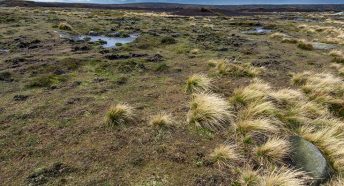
[107, 42]
[258, 31]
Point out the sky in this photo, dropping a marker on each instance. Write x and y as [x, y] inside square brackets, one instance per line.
[210, 2]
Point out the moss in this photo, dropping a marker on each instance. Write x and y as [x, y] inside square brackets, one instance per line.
[168, 40]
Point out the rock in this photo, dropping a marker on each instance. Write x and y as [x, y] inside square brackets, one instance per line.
[307, 157]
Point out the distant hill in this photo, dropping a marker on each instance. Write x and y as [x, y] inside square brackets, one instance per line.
[187, 9]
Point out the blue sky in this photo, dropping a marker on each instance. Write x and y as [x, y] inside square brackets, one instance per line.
[206, 1]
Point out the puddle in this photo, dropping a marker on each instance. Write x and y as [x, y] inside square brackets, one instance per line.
[107, 42]
[4, 51]
[323, 46]
[258, 31]
[339, 13]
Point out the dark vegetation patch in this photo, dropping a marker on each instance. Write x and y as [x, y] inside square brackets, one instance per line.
[44, 175]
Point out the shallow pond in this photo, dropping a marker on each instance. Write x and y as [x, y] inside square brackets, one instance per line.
[108, 42]
[323, 46]
[258, 31]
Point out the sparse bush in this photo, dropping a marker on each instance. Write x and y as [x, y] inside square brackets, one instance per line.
[209, 111]
[274, 150]
[65, 26]
[224, 155]
[284, 177]
[198, 83]
[161, 120]
[119, 114]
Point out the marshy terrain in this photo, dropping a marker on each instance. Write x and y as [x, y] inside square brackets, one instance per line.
[129, 97]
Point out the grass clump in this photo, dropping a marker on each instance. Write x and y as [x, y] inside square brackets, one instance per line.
[278, 35]
[224, 155]
[119, 114]
[249, 177]
[287, 96]
[257, 109]
[161, 120]
[338, 56]
[256, 125]
[284, 177]
[305, 45]
[209, 111]
[274, 150]
[65, 26]
[256, 91]
[198, 83]
[232, 68]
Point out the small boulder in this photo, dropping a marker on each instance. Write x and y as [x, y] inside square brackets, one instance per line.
[307, 157]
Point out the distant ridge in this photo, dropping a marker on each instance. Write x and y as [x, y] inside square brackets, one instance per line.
[187, 9]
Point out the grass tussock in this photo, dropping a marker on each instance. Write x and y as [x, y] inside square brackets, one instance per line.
[119, 114]
[233, 68]
[224, 155]
[257, 109]
[274, 150]
[161, 120]
[261, 125]
[256, 91]
[287, 96]
[284, 177]
[323, 83]
[248, 176]
[209, 111]
[336, 181]
[338, 56]
[198, 83]
[65, 26]
[278, 35]
[305, 45]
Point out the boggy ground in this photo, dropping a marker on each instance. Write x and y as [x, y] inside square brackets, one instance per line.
[55, 92]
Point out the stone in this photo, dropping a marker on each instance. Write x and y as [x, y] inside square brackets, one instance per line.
[307, 157]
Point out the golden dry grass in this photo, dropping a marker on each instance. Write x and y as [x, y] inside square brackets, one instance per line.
[273, 151]
[262, 125]
[161, 120]
[283, 177]
[119, 114]
[224, 155]
[209, 111]
[198, 83]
